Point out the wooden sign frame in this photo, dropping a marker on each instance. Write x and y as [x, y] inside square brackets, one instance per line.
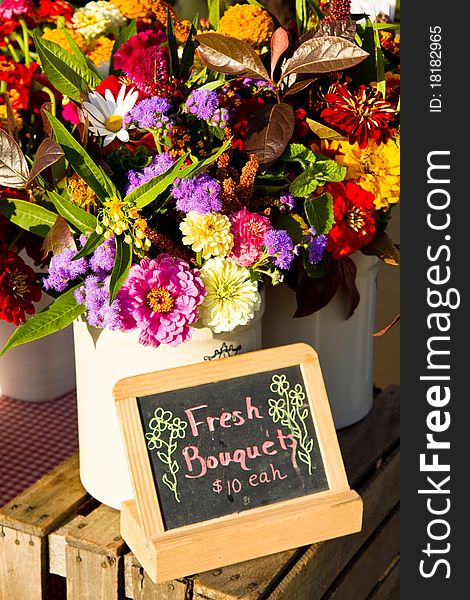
[168, 554]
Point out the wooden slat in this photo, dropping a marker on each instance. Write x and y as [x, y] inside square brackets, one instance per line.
[389, 587]
[253, 579]
[92, 576]
[98, 532]
[322, 563]
[22, 565]
[57, 544]
[48, 503]
[143, 587]
[362, 575]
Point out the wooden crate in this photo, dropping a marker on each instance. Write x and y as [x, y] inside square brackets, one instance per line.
[54, 528]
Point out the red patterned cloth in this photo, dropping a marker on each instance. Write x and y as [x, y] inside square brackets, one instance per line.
[34, 438]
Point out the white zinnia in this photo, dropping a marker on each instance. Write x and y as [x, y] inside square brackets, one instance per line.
[232, 298]
[97, 18]
[107, 114]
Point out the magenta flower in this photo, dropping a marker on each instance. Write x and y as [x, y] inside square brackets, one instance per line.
[161, 298]
[15, 8]
[248, 231]
[145, 61]
[70, 113]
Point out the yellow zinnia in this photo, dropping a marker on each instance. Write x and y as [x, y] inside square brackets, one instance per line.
[208, 234]
[100, 50]
[375, 168]
[59, 37]
[248, 23]
[134, 9]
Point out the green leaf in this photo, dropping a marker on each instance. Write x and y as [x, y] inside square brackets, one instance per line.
[76, 216]
[299, 152]
[14, 171]
[295, 226]
[148, 192]
[80, 160]
[172, 47]
[124, 35]
[65, 71]
[328, 170]
[58, 315]
[216, 9]
[187, 59]
[366, 72]
[94, 240]
[304, 185]
[29, 216]
[320, 213]
[200, 167]
[379, 61]
[324, 132]
[122, 264]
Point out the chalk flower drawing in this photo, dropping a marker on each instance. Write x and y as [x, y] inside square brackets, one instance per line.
[288, 410]
[166, 431]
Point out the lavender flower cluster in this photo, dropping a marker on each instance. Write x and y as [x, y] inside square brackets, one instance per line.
[200, 194]
[280, 247]
[151, 113]
[94, 292]
[204, 104]
[159, 165]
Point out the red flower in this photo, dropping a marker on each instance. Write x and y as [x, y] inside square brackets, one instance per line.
[362, 116]
[6, 28]
[244, 113]
[18, 79]
[18, 289]
[48, 9]
[354, 219]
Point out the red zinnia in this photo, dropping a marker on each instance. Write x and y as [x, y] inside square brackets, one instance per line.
[354, 219]
[18, 289]
[18, 79]
[362, 116]
[48, 9]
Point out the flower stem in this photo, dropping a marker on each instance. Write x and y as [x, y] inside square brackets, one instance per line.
[50, 93]
[12, 50]
[24, 27]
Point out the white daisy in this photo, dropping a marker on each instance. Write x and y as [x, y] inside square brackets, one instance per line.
[107, 114]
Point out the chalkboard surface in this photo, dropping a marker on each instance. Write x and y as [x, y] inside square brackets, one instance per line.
[230, 446]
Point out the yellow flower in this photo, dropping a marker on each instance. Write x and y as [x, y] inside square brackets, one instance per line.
[4, 118]
[59, 37]
[375, 168]
[208, 234]
[134, 9]
[100, 50]
[248, 23]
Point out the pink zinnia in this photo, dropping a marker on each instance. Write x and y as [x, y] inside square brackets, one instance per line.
[248, 231]
[145, 61]
[15, 8]
[160, 297]
[70, 113]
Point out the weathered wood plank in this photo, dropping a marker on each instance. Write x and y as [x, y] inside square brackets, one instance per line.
[57, 544]
[367, 567]
[389, 587]
[322, 563]
[22, 565]
[143, 587]
[92, 576]
[98, 532]
[253, 579]
[47, 504]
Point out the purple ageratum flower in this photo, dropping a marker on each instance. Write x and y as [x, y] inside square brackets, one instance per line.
[317, 248]
[94, 294]
[151, 113]
[200, 194]
[202, 104]
[159, 165]
[160, 297]
[279, 246]
[102, 261]
[63, 269]
[287, 202]
[220, 118]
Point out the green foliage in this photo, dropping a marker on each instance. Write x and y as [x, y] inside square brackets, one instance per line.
[320, 214]
[124, 35]
[76, 216]
[122, 264]
[58, 315]
[28, 216]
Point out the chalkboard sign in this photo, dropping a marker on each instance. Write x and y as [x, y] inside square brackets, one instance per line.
[242, 444]
[233, 445]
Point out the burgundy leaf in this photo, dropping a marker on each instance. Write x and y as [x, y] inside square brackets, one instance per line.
[388, 327]
[344, 29]
[228, 55]
[383, 247]
[279, 44]
[315, 294]
[46, 108]
[347, 272]
[14, 170]
[59, 238]
[270, 131]
[11, 121]
[323, 55]
[300, 86]
[49, 152]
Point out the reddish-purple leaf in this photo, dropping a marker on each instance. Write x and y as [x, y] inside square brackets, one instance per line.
[59, 238]
[11, 121]
[270, 131]
[383, 247]
[49, 152]
[315, 294]
[279, 44]
[347, 272]
[300, 86]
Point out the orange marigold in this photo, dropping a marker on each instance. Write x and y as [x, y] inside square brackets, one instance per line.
[59, 37]
[160, 9]
[100, 50]
[134, 9]
[248, 23]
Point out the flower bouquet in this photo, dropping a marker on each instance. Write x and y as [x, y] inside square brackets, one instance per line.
[170, 167]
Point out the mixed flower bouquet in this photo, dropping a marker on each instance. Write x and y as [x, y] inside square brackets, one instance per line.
[161, 170]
